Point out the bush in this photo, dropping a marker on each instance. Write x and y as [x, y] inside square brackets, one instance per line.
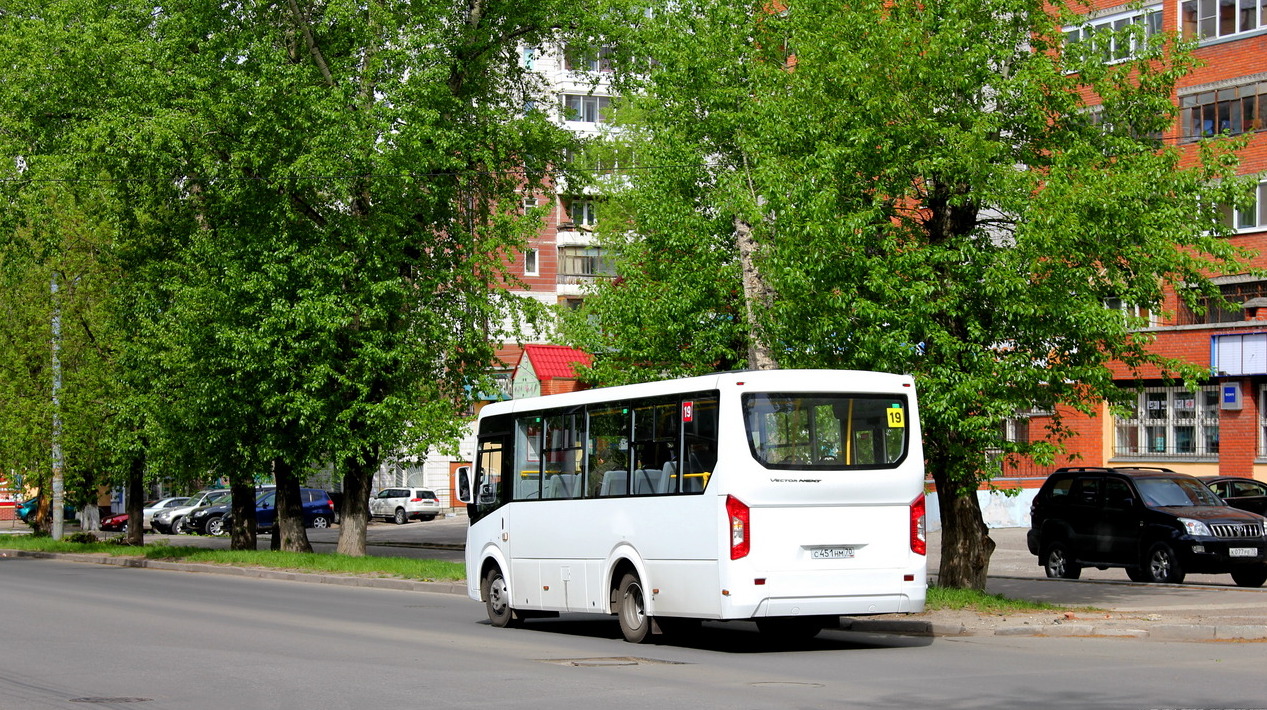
[82, 538]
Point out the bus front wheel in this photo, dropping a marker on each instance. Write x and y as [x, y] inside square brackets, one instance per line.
[631, 607]
[497, 600]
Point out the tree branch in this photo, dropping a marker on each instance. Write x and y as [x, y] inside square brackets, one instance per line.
[302, 21]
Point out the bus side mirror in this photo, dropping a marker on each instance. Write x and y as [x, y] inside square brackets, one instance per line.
[464, 484]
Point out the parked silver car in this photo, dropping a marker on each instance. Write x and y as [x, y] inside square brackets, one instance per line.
[171, 520]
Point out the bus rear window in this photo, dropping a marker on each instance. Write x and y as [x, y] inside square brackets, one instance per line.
[826, 431]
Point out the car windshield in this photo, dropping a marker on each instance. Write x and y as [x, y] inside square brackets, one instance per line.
[1176, 492]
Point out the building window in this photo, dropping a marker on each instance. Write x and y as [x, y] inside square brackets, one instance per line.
[1112, 37]
[1171, 422]
[584, 261]
[587, 59]
[582, 212]
[1214, 312]
[1232, 111]
[1212, 19]
[1262, 422]
[1136, 316]
[1252, 216]
[530, 262]
[585, 108]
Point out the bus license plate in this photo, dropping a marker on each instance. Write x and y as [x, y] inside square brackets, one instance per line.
[831, 553]
[1243, 552]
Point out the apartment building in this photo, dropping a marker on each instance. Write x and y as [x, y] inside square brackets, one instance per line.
[1222, 428]
[555, 264]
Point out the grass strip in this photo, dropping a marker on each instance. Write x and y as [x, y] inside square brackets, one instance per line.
[323, 563]
[947, 598]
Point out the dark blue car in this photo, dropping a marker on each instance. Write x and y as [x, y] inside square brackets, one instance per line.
[317, 505]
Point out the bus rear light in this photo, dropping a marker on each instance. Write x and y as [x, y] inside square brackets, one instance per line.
[919, 538]
[740, 532]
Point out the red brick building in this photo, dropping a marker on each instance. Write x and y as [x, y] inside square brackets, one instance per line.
[1222, 428]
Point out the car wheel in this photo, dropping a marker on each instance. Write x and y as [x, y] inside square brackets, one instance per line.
[401, 518]
[215, 525]
[1250, 576]
[631, 608]
[321, 521]
[497, 600]
[1162, 566]
[178, 526]
[1059, 563]
[1137, 574]
[124, 529]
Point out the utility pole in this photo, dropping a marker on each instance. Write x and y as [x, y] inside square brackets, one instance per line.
[59, 485]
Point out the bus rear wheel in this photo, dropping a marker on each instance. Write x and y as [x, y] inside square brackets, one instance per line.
[631, 608]
[497, 600]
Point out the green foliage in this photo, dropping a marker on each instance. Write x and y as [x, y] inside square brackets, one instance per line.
[312, 206]
[951, 212]
[934, 189]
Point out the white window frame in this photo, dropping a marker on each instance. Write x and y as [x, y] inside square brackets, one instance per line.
[1151, 319]
[588, 212]
[1148, 17]
[1254, 217]
[532, 262]
[1262, 422]
[1170, 422]
[585, 108]
[1209, 25]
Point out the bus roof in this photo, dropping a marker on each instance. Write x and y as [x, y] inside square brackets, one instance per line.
[861, 381]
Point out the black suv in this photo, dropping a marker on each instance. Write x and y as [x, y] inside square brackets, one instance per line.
[1156, 523]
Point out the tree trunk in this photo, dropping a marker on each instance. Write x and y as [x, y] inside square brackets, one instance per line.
[757, 296]
[242, 533]
[136, 500]
[289, 534]
[358, 478]
[965, 540]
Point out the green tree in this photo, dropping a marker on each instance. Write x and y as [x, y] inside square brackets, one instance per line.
[938, 188]
[53, 270]
[317, 203]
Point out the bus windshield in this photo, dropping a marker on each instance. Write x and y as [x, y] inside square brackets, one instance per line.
[819, 432]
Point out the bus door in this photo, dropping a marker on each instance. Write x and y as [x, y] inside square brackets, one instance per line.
[491, 482]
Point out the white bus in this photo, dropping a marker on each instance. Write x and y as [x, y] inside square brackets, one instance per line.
[786, 497]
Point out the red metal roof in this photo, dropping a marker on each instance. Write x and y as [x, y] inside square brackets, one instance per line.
[556, 361]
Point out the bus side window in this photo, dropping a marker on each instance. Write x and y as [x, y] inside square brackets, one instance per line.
[700, 438]
[607, 452]
[563, 455]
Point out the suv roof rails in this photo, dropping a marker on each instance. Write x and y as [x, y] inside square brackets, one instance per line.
[1104, 469]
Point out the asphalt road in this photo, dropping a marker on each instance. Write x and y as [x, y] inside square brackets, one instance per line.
[81, 636]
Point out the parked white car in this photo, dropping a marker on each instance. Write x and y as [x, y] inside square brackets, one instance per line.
[148, 512]
[404, 504]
